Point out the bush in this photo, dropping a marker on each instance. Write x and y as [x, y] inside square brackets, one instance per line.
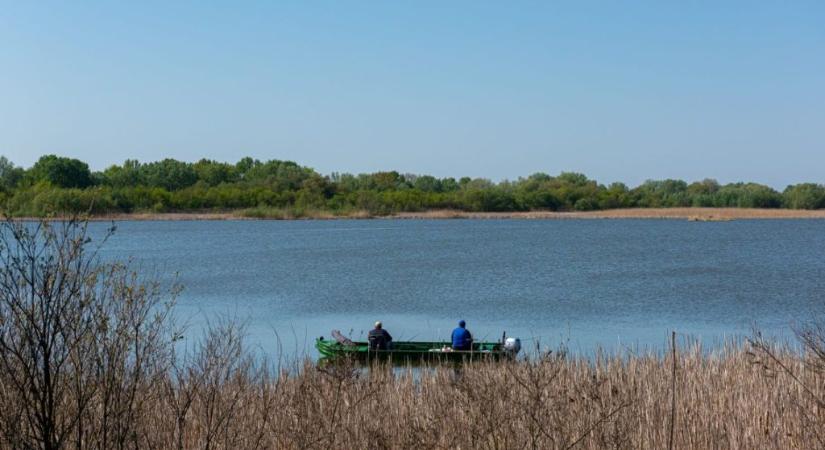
[80, 340]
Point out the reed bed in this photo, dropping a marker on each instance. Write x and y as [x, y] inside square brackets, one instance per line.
[274, 213]
[223, 398]
[690, 213]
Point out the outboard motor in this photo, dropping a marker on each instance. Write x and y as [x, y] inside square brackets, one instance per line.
[512, 346]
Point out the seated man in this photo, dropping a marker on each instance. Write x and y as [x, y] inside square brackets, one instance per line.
[379, 338]
[462, 339]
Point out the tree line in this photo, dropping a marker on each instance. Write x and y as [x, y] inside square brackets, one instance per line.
[60, 185]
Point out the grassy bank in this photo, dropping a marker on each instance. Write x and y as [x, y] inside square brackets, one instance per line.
[267, 213]
[629, 213]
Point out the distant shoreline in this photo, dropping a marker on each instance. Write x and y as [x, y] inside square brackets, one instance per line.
[698, 214]
[693, 214]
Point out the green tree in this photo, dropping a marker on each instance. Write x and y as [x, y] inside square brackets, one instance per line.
[169, 174]
[427, 183]
[130, 174]
[449, 185]
[10, 175]
[662, 193]
[617, 195]
[746, 195]
[214, 173]
[386, 181]
[278, 175]
[804, 196]
[60, 172]
[246, 163]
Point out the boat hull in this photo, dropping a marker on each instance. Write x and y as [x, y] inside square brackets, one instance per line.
[410, 352]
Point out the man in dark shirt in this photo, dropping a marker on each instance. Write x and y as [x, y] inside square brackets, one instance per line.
[462, 339]
[379, 338]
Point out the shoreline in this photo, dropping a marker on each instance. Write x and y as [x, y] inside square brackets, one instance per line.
[697, 214]
[691, 214]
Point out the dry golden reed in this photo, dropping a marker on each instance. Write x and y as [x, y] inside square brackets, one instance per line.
[731, 399]
[272, 213]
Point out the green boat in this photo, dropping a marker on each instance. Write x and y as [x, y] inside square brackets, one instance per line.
[414, 351]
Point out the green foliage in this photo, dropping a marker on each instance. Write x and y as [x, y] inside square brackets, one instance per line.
[275, 188]
[10, 176]
[427, 183]
[214, 173]
[43, 200]
[129, 174]
[747, 195]
[169, 174]
[662, 194]
[60, 172]
[804, 196]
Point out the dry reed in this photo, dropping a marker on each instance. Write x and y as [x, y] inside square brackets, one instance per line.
[698, 214]
[703, 214]
[223, 399]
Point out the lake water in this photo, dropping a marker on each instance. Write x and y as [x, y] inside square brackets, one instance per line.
[586, 283]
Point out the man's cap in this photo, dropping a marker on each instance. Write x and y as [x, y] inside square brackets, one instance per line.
[378, 324]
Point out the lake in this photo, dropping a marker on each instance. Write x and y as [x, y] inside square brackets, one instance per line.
[613, 284]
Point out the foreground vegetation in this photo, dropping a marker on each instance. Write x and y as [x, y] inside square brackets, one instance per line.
[90, 357]
[618, 403]
[283, 189]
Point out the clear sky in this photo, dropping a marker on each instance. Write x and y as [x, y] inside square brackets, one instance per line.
[622, 91]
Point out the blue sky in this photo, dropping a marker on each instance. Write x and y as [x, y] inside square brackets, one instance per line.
[622, 91]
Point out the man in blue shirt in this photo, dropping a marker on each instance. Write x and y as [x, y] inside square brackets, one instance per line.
[462, 339]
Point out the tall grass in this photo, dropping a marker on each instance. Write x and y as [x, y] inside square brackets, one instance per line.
[220, 397]
[274, 213]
